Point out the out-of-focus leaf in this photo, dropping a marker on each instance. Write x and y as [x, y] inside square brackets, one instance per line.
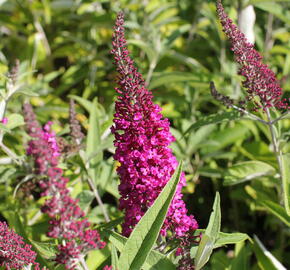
[230, 238]
[151, 53]
[165, 78]
[242, 257]
[276, 210]
[145, 233]
[6, 173]
[114, 256]
[85, 198]
[214, 119]
[93, 142]
[210, 236]
[225, 137]
[285, 160]
[275, 9]
[246, 171]
[15, 120]
[85, 103]
[265, 259]
[46, 250]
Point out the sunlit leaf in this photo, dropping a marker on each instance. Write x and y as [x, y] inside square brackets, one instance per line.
[210, 236]
[246, 171]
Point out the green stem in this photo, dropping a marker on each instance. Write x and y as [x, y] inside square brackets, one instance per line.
[99, 200]
[279, 158]
[83, 263]
[150, 71]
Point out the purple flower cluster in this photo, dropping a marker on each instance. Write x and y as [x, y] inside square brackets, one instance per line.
[43, 146]
[142, 140]
[14, 253]
[67, 219]
[260, 80]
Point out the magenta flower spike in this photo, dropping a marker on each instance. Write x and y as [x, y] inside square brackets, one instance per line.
[67, 222]
[260, 79]
[142, 140]
[14, 253]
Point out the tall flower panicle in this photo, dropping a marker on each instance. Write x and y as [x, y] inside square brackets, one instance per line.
[67, 222]
[14, 253]
[260, 80]
[142, 140]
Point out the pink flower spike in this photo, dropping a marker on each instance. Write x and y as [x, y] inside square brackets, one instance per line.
[67, 222]
[142, 140]
[260, 79]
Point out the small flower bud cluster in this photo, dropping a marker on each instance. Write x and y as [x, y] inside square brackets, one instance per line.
[67, 221]
[260, 80]
[43, 146]
[142, 139]
[187, 242]
[14, 253]
[75, 127]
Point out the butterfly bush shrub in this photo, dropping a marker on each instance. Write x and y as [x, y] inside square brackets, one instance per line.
[83, 202]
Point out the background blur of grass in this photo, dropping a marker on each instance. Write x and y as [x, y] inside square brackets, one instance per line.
[64, 48]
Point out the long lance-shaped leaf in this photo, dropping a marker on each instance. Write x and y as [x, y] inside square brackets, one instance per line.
[155, 259]
[114, 256]
[93, 142]
[265, 258]
[147, 230]
[286, 181]
[214, 119]
[210, 236]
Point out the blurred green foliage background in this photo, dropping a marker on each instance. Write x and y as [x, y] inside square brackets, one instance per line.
[64, 49]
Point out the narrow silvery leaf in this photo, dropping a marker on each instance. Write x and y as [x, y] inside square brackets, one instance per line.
[285, 181]
[265, 258]
[210, 235]
[114, 257]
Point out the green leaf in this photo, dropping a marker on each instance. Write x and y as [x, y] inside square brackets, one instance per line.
[204, 251]
[286, 181]
[164, 78]
[274, 9]
[210, 236]
[155, 259]
[85, 198]
[276, 210]
[265, 259]
[214, 225]
[242, 257]
[246, 171]
[114, 256]
[144, 235]
[152, 54]
[93, 142]
[214, 119]
[230, 238]
[46, 250]
[15, 120]
[82, 101]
